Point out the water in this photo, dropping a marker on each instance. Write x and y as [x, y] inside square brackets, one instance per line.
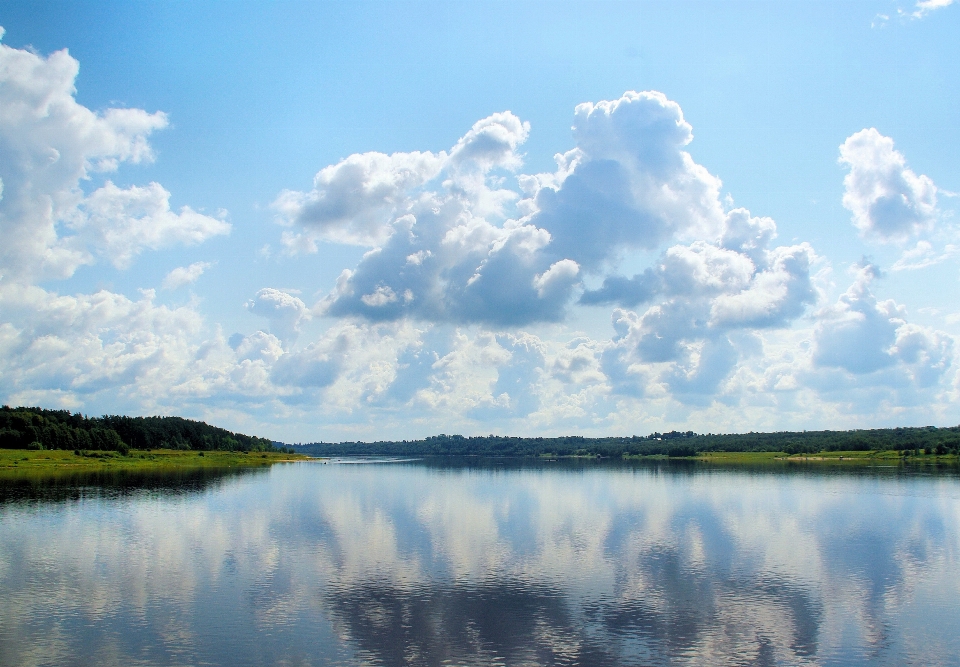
[486, 563]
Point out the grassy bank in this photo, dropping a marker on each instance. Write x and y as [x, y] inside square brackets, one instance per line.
[19, 462]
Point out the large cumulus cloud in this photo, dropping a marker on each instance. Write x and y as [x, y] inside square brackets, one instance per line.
[51, 145]
[700, 294]
[864, 336]
[888, 200]
[629, 183]
[450, 243]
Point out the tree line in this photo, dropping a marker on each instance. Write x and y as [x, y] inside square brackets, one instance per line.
[928, 439]
[38, 428]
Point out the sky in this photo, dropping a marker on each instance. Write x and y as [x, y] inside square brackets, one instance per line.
[387, 220]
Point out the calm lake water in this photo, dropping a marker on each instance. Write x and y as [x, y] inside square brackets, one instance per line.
[496, 563]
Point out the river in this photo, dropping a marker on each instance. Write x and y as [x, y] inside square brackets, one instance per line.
[496, 562]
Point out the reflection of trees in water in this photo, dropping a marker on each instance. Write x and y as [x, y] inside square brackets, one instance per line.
[116, 484]
[518, 622]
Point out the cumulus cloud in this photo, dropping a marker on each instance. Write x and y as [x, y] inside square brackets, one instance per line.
[136, 355]
[120, 223]
[185, 275]
[447, 250]
[51, 144]
[355, 200]
[316, 366]
[887, 199]
[735, 282]
[284, 311]
[444, 264]
[629, 183]
[774, 296]
[862, 335]
[359, 200]
[700, 295]
[85, 344]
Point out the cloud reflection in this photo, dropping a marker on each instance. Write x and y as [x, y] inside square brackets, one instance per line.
[417, 565]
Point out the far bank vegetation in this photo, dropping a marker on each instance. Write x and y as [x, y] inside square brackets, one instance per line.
[38, 428]
[921, 441]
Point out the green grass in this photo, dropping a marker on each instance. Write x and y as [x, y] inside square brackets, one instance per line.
[19, 462]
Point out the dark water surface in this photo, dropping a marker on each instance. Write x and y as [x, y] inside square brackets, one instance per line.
[484, 563]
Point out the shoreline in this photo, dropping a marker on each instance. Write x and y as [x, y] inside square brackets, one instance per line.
[23, 462]
[17, 463]
[883, 457]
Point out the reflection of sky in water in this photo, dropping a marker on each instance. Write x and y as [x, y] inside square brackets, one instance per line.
[411, 564]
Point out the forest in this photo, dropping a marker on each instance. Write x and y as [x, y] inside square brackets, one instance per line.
[928, 439]
[38, 428]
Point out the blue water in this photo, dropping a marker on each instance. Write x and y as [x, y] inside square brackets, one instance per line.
[486, 563]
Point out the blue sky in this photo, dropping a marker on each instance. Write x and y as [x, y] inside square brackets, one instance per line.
[526, 218]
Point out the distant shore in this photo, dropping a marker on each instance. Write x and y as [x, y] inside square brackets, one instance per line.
[882, 457]
[22, 462]
[16, 463]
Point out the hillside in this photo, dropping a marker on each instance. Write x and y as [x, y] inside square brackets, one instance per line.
[38, 428]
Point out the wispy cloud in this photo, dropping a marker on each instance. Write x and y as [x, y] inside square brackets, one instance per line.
[924, 7]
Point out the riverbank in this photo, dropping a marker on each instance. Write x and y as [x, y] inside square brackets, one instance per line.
[883, 457]
[20, 462]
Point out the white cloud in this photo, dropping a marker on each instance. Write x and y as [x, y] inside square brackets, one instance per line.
[863, 335]
[138, 356]
[774, 296]
[887, 199]
[185, 275]
[100, 342]
[491, 143]
[857, 334]
[923, 255]
[349, 369]
[924, 7]
[119, 224]
[362, 198]
[50, 144]
[355, 200]
[284, 311]
[634, 185]
[704, 295]
[316, 366]
[559, 277]
[448, 249]
[630, 183]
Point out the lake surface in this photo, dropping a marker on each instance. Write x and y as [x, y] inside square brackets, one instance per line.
[484, 563]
